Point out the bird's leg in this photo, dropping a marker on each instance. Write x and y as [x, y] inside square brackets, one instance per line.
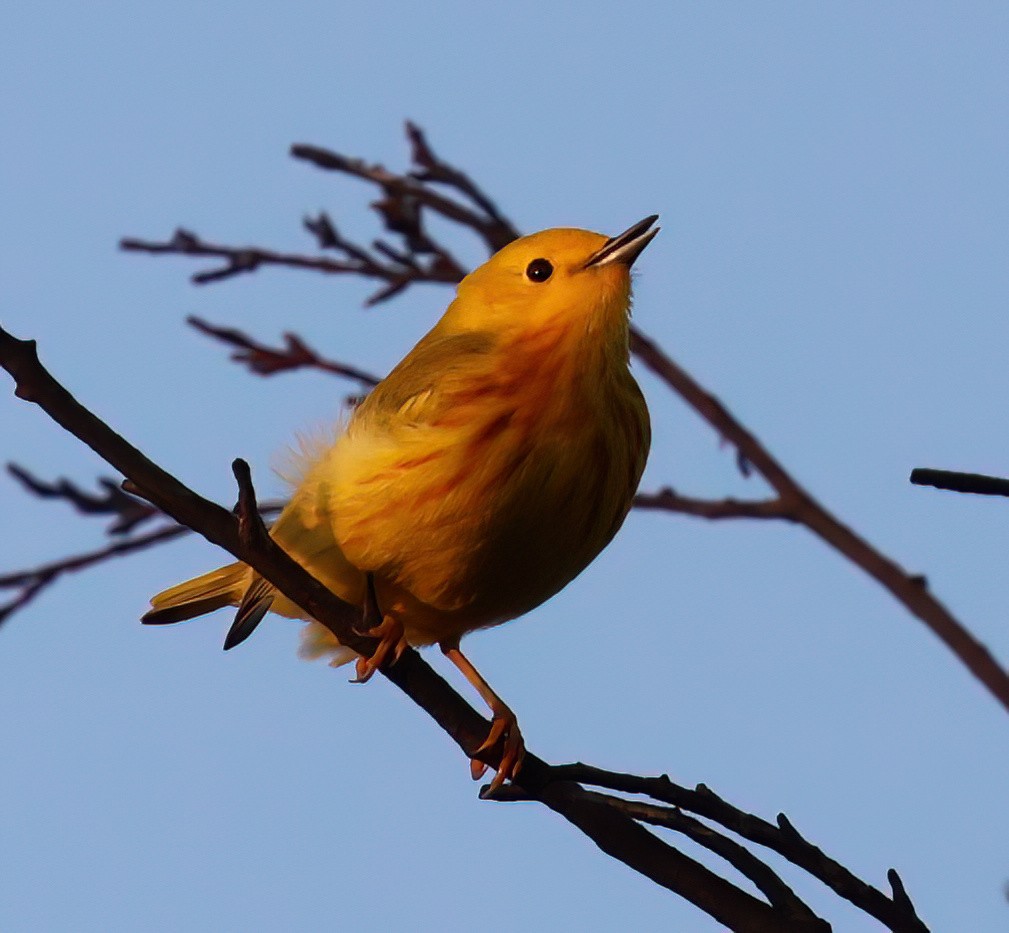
[372, 614]
[387, 629]
[504, 726]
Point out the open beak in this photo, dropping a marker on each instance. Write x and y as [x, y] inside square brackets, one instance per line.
[627, 246]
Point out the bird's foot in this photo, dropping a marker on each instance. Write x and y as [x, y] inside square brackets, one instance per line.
[504, 727]
[392, 640]
[504, 732]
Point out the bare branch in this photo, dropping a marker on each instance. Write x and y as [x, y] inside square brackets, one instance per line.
[954, 481]
[402, 190]
[238, 259]
[34, 581]
[800, 506]
[127, 510]
[121, 501]
[782, 838]
[243, 259]
[667, 500]
[623, 838]
[778, 894]
[431, 168]
[266, 361]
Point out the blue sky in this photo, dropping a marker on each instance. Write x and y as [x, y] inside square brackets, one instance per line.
[835, 210]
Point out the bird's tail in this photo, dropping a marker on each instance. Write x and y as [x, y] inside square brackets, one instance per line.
[237, 585]
[222, 587]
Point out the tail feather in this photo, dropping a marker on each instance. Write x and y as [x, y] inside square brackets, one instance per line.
[237, 585]
[255, 604]
[222, 587]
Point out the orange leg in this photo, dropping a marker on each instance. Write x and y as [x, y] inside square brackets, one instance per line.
[504, 726]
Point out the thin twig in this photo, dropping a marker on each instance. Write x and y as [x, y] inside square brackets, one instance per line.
[33, 581]
[431, 168]
[242, 259]
[667, 500]
[491, 227]
[128, 511]
[267, 361]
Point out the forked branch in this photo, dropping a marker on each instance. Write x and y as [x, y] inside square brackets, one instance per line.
[267, 361]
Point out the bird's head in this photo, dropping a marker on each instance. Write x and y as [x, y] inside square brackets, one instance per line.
[560, 276]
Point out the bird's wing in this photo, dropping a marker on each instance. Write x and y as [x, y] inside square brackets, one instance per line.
[425, 382]
[359, 480]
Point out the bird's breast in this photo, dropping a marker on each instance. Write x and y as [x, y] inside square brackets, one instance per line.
[523, 478]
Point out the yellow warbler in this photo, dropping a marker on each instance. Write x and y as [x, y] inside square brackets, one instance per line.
[480, 477]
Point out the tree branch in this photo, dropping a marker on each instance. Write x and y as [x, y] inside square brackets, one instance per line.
[32, 582]
[267, 361]
[778, 894]
[799, 506]
[783, 838]
[129, 511]
[495, 230]
[954, 481]
[667, 500]
[241, 259]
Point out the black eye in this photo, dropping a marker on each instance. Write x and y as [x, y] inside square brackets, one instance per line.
[539, 270]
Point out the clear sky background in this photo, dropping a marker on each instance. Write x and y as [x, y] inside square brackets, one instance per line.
[833, 185]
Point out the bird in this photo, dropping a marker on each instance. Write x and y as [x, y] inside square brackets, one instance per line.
[475, 481]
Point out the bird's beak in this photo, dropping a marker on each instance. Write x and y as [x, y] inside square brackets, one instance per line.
[626, 247]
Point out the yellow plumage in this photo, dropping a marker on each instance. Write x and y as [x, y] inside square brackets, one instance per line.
[487, 470]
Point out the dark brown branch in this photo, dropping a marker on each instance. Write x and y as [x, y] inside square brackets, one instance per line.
[431, 168]
[494, 229]
[266, 361]
[615, 833]
[238, 259]
[242, 259]
[778, 894]
[127, 510]
[34, 581]
[252, 532]
[954, 481]
[800, 506]
[668, 500]
[783, 838]
[618, 835]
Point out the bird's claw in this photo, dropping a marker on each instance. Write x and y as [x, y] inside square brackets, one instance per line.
[392, 640]
[504, 731]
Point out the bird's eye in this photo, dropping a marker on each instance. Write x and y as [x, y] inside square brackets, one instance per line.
[539, 270]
